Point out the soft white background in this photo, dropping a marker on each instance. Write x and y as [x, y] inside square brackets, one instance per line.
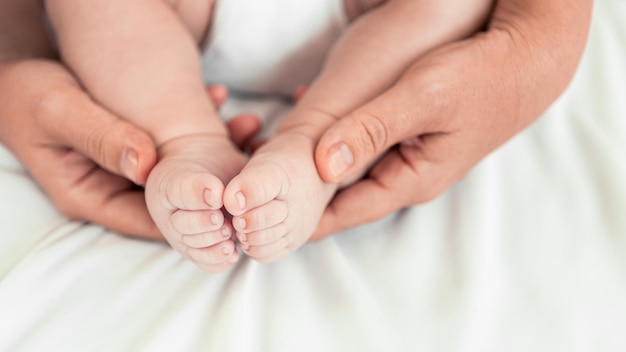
[527, 253]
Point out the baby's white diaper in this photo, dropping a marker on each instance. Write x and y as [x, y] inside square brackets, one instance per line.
[270, 46]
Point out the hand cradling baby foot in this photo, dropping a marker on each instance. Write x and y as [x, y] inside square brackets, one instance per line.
[278, 198]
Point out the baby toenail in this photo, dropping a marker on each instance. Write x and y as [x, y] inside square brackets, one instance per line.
[242, 237]
[215, 220]
[207, 197]
[245, 246]
[226, 232]
[242, 223]
[241, 200]
[226, 250]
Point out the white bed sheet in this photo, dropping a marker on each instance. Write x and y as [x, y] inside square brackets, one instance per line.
[527, 253]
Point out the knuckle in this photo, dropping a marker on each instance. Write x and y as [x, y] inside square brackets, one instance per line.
[374, 133]
[97, 147]
[68, 207]
[52, 104]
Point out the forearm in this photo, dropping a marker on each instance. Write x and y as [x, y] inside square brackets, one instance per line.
[22, 32]
[546, 39]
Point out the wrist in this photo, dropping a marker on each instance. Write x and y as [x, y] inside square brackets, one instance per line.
[556, 29]
[537, 46]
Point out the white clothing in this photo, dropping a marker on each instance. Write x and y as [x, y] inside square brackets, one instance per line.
[270, 46]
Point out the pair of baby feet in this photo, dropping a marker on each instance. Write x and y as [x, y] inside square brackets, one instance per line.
[274, 200]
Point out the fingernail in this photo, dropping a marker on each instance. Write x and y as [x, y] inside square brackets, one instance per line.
[129, 163]
[226, 250]
[242, 237]
[226, 232]
[341, 158]
[241, 200]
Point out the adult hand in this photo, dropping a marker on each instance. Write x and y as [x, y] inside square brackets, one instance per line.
[80, 154]
[450, 109]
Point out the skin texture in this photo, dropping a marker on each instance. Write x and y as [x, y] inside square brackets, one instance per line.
[140, 60]
[153, 79]
[462, 100]
[278, 198]
[450, 109]
[77, 151]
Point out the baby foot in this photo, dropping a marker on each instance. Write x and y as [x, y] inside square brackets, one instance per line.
[184, 195]
[278, 198]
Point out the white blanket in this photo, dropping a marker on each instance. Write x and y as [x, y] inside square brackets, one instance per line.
[527, 253]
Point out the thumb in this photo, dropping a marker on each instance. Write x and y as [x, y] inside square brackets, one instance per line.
[114, 144]
[356, 140]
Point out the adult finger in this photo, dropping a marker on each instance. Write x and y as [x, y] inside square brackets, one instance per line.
[243, 128]
[298, 93]
[126, 213]
[218, 94]
[116, 145]
[72, 119]
[353, 142]
[82, 190]
[409, 174]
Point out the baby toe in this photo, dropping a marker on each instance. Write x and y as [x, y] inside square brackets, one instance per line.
[208, 239]
[213, 255]
[263, 237]
[273, 251]
[253, 187]
[263, 217]
[196, 191]
[191, 222]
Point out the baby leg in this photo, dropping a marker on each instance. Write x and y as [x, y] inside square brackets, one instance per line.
[140, 60]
